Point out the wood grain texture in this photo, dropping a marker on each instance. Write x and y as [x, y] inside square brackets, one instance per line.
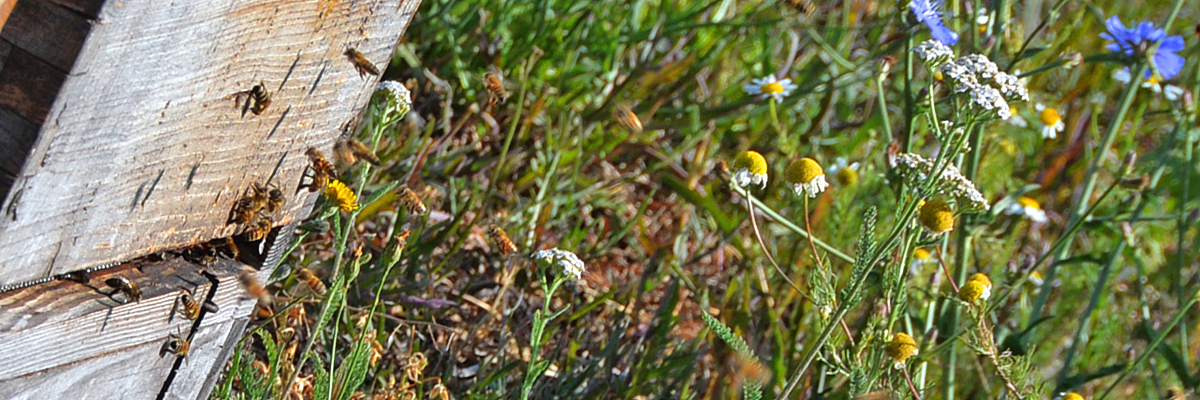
[6, 7]
[213, 343]
[48, 31]
[144, 149]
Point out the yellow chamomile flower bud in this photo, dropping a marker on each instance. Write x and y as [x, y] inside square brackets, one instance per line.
[977, 287]
[900, 348]
[1052, 122]
[844, 171]
[806, 177]
[1069, 396]
[750, 168]
[936, 216]
[922, 257]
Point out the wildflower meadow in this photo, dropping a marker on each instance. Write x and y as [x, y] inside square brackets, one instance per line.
[721, 199]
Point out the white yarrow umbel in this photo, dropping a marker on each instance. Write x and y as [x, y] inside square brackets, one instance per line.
[566, 262]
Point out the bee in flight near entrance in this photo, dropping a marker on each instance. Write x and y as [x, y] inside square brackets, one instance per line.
[188, 305]
[126, 286]
[494, 83]
[321, 170]
[350, 150]
[361, 63]
[410, 201]
[501, 240]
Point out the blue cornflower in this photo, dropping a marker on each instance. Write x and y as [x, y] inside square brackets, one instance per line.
[927, 13]
[1140, 39]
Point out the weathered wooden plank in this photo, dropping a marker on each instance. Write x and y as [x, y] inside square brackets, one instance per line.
[116, 375]
[6, 7]
[146, 150]
[213, 343]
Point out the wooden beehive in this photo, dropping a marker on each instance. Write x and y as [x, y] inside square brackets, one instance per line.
[121, 137]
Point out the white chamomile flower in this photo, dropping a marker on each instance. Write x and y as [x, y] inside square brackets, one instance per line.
[844, 171]
[1052, 122]
[806, 177]
[769, 87]
[1028, 208]
[1016, 119]
[750, 168]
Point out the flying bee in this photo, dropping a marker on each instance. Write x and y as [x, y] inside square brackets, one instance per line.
[410, 201]
[257, 99]
[275, 200]
[494, 83]
[501, 240]
[176, 345]
[250, 285]
[801, 6]
[306, 275]
[188, 305]
[350, 150]
[259, 229]
[628, 119]
[124, 285]
[361, 63]
[321, 169]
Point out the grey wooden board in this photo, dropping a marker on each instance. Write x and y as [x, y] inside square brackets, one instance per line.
[71, 335]
[212, 343]
[144, 150]
[117, 375]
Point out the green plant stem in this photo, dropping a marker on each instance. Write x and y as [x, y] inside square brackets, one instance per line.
[963, 246]
[1041, 25]
[540, 320]
[792, 226]
[1089, 185]
[883, 108]
[1194, 298]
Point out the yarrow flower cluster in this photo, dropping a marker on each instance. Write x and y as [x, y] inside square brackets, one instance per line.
[951, 182]
[563, 261]
[1028, 208]
[933, 53]
[399, 99]
[806, 177]
[900, 348]
[927, 13]
[1139, 40]
[750, 168]
[769, 87]
[989, 88]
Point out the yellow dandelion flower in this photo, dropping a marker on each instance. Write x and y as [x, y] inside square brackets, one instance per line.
[936, 216]
[345, 198]
[750, 168]
[806, 177]
[1052, 122]
[900, 348]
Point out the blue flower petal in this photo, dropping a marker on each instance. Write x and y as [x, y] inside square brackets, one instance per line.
[1171, 44]
[1168, 64]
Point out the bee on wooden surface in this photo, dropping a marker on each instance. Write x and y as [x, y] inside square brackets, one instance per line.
[254, 289]
[228, 246]
[350, 150]
[275, 200]
[188, 306]
[361, 63]
[501, 240]
[410, 201]
[126, 286]
[494, 83]
[248, 206]
[259, 229]
[321, 169]
[176, 345]
[306, 275]
[628, 119]
[257, 99]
